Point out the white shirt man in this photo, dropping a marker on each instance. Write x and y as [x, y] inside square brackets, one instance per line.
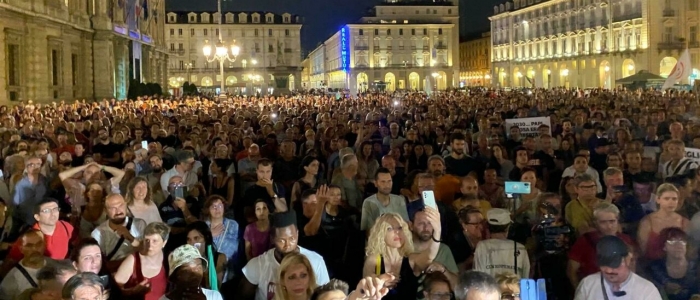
[496, 255]
[615, 279]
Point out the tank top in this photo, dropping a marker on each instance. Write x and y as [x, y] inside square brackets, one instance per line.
[655, 244]
[221, 191]
[407, 288]
[159, 283]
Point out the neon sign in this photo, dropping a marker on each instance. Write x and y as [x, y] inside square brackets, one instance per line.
[344, 52]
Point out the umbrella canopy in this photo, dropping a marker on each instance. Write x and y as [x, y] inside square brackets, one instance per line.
[641, 76]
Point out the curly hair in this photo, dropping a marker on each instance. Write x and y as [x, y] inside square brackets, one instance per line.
[376, 244]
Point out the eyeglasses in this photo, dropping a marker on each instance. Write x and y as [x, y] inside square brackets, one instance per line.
[676, 242]
[33, 165]
[50, 210]
[217, 206]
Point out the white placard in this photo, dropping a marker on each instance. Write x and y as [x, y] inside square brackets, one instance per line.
[528, 126]
[693, 153]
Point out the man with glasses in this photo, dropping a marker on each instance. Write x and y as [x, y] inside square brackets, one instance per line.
[57, 233]
[120, 234]
[582, 256]
[29, 190]
[615, 279]
[579, 212]
[183, 168]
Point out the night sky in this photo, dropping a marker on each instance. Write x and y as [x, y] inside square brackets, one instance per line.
[324, 17]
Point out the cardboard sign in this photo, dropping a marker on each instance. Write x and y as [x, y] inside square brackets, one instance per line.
[528, 126]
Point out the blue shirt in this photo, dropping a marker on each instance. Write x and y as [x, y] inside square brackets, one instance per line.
[26, 196]
[227, 243]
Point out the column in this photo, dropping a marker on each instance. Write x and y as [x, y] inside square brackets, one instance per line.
[121, 56]
[37, 66]
[87, 79]
[102, 70]
[4, 95]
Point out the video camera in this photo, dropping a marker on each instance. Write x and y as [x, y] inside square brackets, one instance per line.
[551, 234]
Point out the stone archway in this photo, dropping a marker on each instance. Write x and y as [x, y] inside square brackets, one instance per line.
[390, 81]
[362, 82]
[604, 76]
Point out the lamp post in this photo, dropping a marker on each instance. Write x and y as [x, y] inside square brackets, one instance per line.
[436, 76]
[221, 51]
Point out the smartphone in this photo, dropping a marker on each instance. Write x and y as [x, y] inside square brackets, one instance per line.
[528, 289]
[144, 145]
[180, 192]
[429, 199]
[197, 245]
[517, 187]
[104, 279]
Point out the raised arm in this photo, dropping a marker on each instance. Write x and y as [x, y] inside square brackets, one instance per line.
[420, 261]
[311, 228]
[67, 174]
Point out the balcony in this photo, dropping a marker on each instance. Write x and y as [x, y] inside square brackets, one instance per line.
[671, 45]
[441, 46]
[669, 13]
[627, 17]
[694, 44]
[361, 47]
[177, 51]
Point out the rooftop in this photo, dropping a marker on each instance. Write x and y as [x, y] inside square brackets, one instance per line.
[182, 17]
[416, 3]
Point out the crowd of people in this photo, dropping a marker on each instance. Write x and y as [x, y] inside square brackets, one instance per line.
[316, 197]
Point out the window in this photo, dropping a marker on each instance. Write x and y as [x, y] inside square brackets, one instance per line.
[362, 32]
[55, 67]
[388, 32]
[376, 32]
[74, 61]
[449, 11]
[256, 32]
[206, 31]
[269, 32]
[172, 31]
[257, 47]
[193, 19]
[693, 32]
[192, 64]
[179, 32]
[180, 46]
[435, 11]
[182, 65]
[270, 48]
[172, 46]
[413, 31]
[440, 31]
[269, 19]
[217, 32]
[192, 32]
[286, 32]
[425, 31]
[286, 19]
[400, 31]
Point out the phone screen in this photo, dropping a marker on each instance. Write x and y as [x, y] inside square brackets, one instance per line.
[144, 145]
[180, 192]
[429, 199]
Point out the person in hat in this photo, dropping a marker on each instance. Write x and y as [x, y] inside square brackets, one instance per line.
[186, 271]
[615, 279]
[497, 254]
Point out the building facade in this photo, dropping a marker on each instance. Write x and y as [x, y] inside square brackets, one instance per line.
[590, 43]
[405, 45]
[475, 61]
[270, 51]
[70, 49]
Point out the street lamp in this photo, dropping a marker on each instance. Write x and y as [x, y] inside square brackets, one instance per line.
[221, 51]
[607, 69]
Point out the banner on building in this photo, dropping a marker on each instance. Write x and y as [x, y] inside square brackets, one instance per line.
[528, 126]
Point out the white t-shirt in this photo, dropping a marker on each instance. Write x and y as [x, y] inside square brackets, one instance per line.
[636, 288]
[15, 283]
[495, 256]
[210, 294]
[262, 272]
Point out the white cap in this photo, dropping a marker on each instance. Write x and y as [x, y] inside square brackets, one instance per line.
[498, 216]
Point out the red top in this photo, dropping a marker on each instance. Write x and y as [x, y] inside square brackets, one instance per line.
[584, 252]
[56, 244]
[159, 283]
[655, 246]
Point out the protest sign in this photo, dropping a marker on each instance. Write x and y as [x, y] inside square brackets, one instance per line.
[528, 126]
[693, 153]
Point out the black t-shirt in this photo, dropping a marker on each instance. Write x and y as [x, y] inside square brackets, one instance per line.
[462, 167]
[460, 247]
[108, 151]
[256, 192]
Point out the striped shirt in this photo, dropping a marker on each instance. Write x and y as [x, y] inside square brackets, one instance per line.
[683, 166]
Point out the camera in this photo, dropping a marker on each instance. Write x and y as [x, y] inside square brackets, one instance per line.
[552, 236]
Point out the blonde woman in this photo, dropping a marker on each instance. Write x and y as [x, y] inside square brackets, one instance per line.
[295, 278]
[139, 199]
[390, 252]
[650, 241]
[510, 285]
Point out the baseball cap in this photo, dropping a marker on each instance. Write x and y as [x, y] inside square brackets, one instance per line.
[183, 255]
[611, 250]
[498, 216]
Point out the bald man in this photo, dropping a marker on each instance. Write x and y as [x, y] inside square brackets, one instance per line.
[121, 234]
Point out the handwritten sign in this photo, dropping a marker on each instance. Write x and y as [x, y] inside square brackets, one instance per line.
[528, 126]
[693, 153]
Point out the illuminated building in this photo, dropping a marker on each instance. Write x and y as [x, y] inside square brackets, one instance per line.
[404, 45]
[589, 43]
[475, 61]
[75, 49]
